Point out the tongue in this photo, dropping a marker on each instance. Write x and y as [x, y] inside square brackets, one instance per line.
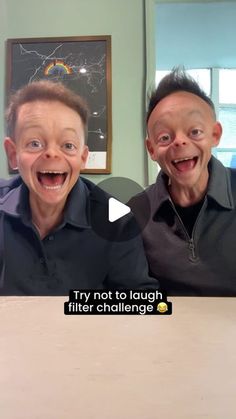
[52, 180]
[185, 165]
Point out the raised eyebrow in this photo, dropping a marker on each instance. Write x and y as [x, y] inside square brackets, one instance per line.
[28, 133]
[27, 127]
[70, 129]
[163, 121]
[160, 125]
[195, 113]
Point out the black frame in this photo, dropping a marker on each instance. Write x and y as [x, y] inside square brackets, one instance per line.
[84, 65]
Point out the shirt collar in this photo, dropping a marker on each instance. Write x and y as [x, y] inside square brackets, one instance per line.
[10, 203]
[219, 187]
[158, 192]
[16, 203]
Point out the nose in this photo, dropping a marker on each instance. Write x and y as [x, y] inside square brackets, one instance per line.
[51, 151]
[180, 140]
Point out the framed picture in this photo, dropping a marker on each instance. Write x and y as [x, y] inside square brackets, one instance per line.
[84, 65]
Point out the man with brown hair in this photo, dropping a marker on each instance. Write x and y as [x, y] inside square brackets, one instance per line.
[47, 243]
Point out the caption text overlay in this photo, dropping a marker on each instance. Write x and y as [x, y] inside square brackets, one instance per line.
[117, 302]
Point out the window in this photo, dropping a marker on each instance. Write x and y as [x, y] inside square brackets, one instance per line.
[226, 152]
[202, 76]
[221, 85]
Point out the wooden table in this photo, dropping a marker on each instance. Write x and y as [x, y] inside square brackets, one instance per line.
[54, 366]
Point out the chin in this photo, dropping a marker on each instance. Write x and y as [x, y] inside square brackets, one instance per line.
[49, 197]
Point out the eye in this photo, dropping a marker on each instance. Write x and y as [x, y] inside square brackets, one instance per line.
[70, 147]
[164, 139]
[34, 144]
[196, 133]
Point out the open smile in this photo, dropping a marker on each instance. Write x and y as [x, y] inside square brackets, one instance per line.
[51, 179]
[185, 164]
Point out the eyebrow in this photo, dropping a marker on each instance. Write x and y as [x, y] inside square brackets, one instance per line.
[162, 119]
[27, 127]
[69, 129]
[31, 125]
[40, 127]
[195, 112]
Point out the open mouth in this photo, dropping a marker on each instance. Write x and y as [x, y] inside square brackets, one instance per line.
[51, 179]
[185, 164]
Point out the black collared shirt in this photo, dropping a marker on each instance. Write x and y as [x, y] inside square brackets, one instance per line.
[202, 262]
[73, 256]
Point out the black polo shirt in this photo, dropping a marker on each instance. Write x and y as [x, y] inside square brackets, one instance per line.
[73, 256]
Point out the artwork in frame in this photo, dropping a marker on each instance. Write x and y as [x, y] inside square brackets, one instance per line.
[81, 63]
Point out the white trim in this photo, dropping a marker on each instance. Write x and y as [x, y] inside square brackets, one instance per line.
[215, 89]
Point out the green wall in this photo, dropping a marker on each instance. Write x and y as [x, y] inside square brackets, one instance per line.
[3, 26]
[124, 21]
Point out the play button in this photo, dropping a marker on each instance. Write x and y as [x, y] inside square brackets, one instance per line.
[116, 210]
[113, 214]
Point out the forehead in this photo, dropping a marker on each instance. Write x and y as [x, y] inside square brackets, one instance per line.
[45, 111]
[180, 104]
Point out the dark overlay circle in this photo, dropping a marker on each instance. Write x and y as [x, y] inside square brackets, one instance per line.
[128, 192]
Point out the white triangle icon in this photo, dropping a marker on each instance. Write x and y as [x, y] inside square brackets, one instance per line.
[116, 210]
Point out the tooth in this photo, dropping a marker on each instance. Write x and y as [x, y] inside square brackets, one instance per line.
[186, 158]
[52, 187]
[51, 171]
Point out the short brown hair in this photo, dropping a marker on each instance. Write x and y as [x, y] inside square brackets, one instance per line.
[45, 90]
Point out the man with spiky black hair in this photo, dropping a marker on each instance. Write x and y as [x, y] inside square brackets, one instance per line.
[190, 238]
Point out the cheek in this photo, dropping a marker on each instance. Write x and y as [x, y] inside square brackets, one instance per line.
[155, 152]
[207, 150]
[75, 164]
[25, 162]
[22, 162]
[160, 156]
[164, 161]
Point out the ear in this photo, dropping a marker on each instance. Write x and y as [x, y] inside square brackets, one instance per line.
[10, 149]
[217, 133]
[150, 149]
[84, 156]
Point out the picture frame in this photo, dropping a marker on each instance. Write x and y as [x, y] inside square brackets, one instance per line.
[82, 63]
